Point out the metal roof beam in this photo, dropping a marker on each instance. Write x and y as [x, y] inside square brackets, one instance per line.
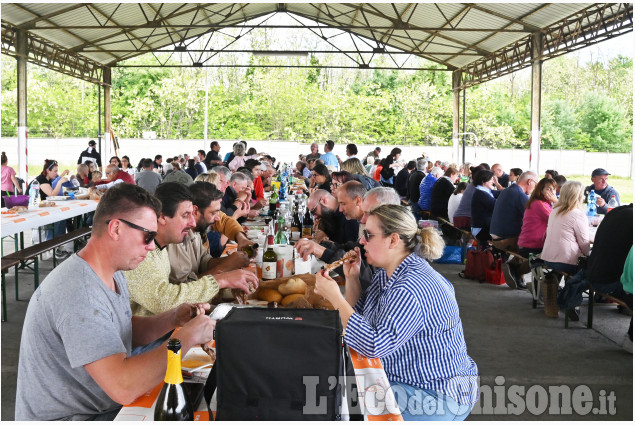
[285, 66]
[527, 27]
[32, 23]
[64, 30]
[492, 35]
[49, 55]
[324, 26]
[584, 28]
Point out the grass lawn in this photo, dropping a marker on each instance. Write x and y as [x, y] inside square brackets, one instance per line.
[623, 185]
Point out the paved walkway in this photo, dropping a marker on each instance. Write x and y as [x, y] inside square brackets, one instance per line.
[519, 351]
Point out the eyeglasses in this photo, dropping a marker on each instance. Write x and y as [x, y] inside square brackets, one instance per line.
[53, 164]
[367, 235]
[150, 234]
[314, 209]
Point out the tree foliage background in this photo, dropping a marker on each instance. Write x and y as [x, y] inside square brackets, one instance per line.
[585, 106]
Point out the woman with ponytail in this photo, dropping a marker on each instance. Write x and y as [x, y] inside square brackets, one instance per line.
[408, 317]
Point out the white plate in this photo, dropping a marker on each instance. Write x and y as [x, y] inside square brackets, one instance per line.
[58, 198]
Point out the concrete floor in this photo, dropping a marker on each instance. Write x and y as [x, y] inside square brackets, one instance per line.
[518, 350]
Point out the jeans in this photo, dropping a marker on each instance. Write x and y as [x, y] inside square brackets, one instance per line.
[571, 269]
[151, 346]
[415, 210]
[526, 251]
[417, 404]
[54, 230]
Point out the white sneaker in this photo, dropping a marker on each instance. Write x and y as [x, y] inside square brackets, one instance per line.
[627, 344]
[61, 254]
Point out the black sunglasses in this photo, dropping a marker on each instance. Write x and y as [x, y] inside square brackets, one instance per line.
[150, 234]
[367, 235]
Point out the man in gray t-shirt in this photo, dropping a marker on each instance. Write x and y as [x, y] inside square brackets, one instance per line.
[148, 179]
[79, 331]
[70, 322]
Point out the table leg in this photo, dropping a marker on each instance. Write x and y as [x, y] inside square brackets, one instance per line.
[4, 299]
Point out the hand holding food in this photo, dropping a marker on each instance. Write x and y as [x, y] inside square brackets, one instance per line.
[238, 279]
[349, 257]
[327, 287]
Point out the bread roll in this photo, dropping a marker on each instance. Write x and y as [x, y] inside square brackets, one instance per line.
[292, 286]
[269, 295]
[290, 298]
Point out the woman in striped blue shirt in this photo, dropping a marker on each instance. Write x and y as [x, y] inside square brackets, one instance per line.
[408, 318]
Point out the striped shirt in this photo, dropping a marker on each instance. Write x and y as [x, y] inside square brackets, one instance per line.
[411, 322]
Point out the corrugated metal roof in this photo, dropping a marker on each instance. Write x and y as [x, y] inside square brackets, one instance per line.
[431, 27]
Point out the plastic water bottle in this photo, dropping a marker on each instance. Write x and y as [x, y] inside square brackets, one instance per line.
[34, 194]
[592, 206]
[612, 203]
[75, 182]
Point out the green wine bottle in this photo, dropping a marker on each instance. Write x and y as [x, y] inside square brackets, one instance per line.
[172, 404]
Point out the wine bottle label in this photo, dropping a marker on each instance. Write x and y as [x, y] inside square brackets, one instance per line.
[307, 231]
[173, 373]
[269, 270]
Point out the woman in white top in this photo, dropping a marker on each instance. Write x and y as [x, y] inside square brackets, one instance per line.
[127, 166]
[455, 200]
[567, 230]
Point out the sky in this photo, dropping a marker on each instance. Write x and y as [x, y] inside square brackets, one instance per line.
[623, 45]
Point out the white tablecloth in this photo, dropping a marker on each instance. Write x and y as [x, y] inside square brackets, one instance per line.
[16, 223]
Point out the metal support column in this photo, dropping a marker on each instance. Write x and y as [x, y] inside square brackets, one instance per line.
[23, 151]
[456, 96]
[536, 92]
[108, 142]
[205, 147]
[99, 116]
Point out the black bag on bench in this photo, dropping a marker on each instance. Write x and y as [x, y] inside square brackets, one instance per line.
[280, 364]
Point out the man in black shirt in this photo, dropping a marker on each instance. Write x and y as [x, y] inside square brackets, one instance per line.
[333, 223]
[90, 154]
[613, 241]
[414, 181]
[213, 159]
[401, 179]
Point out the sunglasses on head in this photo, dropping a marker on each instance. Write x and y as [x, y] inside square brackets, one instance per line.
[150, 234]
[53, 164]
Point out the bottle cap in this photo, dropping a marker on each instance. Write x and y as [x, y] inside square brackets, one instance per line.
[174, 345]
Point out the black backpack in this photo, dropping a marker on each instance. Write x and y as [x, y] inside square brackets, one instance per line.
[281, 364]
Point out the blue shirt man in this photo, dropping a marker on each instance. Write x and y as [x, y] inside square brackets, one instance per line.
[328, 156]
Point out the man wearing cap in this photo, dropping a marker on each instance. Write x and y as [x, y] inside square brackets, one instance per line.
[600, 179]
[90, 154]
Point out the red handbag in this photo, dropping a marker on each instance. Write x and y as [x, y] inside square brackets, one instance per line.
[477, 264]
[494, 273]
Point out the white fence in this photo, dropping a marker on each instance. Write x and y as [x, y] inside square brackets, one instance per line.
[66, 151]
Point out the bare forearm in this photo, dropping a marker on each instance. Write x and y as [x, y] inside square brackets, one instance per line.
[353, 290]
[146, 329]
[346, 311]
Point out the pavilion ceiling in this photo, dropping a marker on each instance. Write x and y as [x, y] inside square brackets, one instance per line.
[483, 40]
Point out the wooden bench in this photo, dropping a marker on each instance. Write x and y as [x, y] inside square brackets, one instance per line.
[591, 303]
[7, 263]
[32, 253]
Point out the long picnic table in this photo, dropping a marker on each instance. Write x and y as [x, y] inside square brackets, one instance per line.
[375, 396]
[17, 223]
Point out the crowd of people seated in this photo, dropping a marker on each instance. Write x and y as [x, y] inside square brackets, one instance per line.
[166, 224]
